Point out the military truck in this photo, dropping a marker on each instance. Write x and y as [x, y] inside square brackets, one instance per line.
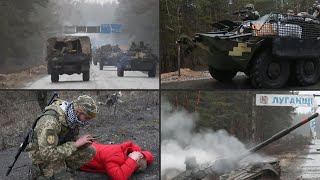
[271, 51]
[236, 167]
[69, 55]
[138, 58]
[110, 56]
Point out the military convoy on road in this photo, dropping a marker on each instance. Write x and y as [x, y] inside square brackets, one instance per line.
[107, 55]
[271, 51]
[138, 58]
[72, 54]
[69, 55]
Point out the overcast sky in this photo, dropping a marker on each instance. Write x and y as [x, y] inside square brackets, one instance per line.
[101, 1]
[307, 109]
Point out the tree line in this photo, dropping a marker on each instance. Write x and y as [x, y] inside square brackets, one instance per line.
[187, 17]
[234, 111]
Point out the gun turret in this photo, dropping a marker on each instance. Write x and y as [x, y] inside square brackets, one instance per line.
[225, 165]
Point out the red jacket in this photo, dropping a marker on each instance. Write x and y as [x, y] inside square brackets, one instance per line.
[113, 160]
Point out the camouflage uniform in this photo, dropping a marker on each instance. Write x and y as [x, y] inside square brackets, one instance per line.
[250, 14]
[51, 147]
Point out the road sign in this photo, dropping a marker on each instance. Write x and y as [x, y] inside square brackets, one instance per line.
[116, 28]
[81, 29]
[105, 28]
[93, 29]
[285, 100]
[69, 29]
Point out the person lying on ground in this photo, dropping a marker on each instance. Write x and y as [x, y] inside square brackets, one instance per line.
[118, 161]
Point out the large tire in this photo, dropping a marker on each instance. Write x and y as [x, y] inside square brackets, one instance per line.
[222, 76]
[267, 71]
[86, 75]
[120, 72]
[101, 65]
[152, 72]
[307, 71]
[54, 77]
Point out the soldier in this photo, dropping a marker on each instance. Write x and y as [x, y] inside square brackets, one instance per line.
[141, 44]
[290, 12]
[316, 13]
[54, 145]
[133, 46]
[250, 13]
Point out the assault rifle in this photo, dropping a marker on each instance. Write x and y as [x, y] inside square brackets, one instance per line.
[26, 139]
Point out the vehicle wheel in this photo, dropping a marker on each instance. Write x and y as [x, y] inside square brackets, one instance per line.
[120, 72]
[86, 75]
[268, 71]
[152, 72]
[54, 77]
[307, 71]
[101, 65]
[95, 63]
[222, 76]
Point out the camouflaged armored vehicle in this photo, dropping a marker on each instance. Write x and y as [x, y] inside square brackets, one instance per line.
[110, 56]
[236, 167]
[271, 51]
[69, 55]
[138, 58]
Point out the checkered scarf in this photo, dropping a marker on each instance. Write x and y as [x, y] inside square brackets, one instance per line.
[72, 118]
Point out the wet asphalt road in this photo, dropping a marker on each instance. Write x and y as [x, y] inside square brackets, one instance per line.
[240, 81]
[311, 166]
[99, 79]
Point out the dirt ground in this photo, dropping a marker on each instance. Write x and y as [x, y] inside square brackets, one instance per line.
[290, 159]
[186, 74]
[136, 119]
[16, 80]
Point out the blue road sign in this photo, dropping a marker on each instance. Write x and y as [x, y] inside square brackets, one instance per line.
[116, 28]
[105, 28]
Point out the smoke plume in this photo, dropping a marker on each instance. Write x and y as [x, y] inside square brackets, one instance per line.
[179, 142]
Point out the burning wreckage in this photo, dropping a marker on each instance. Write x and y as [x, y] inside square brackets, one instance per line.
[231, 168]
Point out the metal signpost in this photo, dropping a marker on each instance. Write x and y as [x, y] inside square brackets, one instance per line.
[290, 100]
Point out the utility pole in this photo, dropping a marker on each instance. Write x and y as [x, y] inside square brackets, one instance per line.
[253, 120]
[179, 47]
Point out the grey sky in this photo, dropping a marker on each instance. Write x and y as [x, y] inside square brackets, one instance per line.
[308, 109]
[101, 1]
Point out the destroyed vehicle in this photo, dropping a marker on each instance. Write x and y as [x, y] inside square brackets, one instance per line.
[138, 59]
[110, 56]
[69, 55]
[238, 166]
[270, 50]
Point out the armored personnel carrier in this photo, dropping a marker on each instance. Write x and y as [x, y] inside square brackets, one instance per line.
[69, 55]
[271, 51]
[110, 56]
[233, 168]
[138, 58]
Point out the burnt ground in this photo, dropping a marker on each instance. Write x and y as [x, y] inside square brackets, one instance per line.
[136, 119]
[290, 157]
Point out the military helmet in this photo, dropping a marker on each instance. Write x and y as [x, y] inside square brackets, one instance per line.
[249, 6]
[86, 105]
